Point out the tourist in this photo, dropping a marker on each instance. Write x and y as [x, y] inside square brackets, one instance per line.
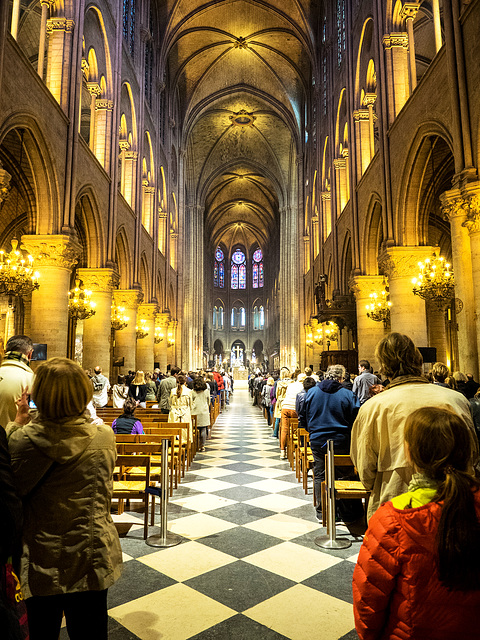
[181, 405]
[151, 388]
[63, 467]
[461, 380]
[126, 423]
[119, 393]
[418, 570]
[308, 383]
[165, 389]
[266, 400]
[15, 375]
[328, 412]
[364, 381]
[280, 389]
[377, 436]
[440, 373]
[471, 387]
[288, 410]
[138, 390]
[101, 387]
[201, 409]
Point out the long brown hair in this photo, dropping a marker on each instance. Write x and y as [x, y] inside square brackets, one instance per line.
[398, 356]
[181, 380]
[443, 447]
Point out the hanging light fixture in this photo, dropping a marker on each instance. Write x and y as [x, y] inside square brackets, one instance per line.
[308, 336]
[318, 337]
[331, 331]
[379, 307]
[142, 329]
[17, 275]
[80, 304]
[435, 281]
[159, 335]
[119, 319]
[170, 338]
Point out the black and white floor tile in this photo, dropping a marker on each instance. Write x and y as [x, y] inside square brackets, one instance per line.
[248, 566]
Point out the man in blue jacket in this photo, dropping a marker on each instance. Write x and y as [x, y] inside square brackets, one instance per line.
[329, 412]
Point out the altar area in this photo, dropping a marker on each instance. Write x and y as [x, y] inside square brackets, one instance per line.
[240, 373]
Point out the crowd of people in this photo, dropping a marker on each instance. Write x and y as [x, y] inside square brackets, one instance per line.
[412, 436]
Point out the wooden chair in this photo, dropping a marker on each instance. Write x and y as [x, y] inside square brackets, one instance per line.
[305, 459]
[127, 486]
[292, 442]
[125, 437]
[184, 445]
[344, 489]
[174, 436]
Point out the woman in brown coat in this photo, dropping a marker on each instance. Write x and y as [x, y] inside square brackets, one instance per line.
[63, 467]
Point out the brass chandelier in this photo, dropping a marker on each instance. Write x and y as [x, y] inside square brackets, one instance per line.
[80, 304]
[379, 307]
[159, 335]
[435, 281]
[142, 329]
[17, 277]
[119, 319]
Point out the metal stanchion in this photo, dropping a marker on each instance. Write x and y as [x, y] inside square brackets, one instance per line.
[330, 541]
[165, 538]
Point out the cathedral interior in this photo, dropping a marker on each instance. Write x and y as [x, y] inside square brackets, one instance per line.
[234, 183]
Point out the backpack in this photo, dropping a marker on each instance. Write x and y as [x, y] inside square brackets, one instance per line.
[97, 384]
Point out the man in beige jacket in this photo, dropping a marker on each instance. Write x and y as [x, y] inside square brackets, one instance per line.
[377, 444]
[15, 376]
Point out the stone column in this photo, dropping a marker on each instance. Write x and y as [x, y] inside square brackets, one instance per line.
[326, 214]
[103, 131]
[370, 100]
[145, 346]
[362, 140]
[97, 330]
[160, 349]
[472, 223]
[130, 177]
[455, 209]
[126, 339]
[369, 332]
[95, 93]
[15, 18]
[162, 231]
[437, 25]
[173, 249]
[396, 62]
[171, 342]
[60, 35]
[45, 4]
[316, 238]
[407, 312]
[340, 165]
[437, 332]
[55, 256]
[408, 12]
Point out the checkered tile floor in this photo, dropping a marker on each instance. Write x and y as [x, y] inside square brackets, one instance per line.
[248, 566]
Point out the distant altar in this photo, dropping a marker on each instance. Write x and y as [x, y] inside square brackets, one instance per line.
[240, 373]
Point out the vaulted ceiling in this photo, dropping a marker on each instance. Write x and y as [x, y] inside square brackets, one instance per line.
[240, 71]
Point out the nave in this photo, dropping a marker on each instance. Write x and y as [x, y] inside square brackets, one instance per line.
[248, 566]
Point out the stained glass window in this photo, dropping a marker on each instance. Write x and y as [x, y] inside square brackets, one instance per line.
[341, 36]
[220, 318]
[257, 256]
[232, 317]
[129, 24]
[262, 318]
[219, 269]
[260, 274]
[255, 275]
[242, 276]
[214, 317]
[257, 269]
[234, 277]
[242, 317]
[238, 257]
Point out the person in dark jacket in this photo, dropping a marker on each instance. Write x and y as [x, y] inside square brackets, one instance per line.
[138, 389]
[127, 423]
[329, 412]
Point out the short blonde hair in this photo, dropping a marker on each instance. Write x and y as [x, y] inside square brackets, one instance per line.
[61, 389]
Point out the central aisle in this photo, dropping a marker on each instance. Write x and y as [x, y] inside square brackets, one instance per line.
[248, 567]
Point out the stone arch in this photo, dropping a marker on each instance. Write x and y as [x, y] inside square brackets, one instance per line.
[145, 280]
[346, 263]
[37, 177]
[364, 55]
[412, 224]
[88, 218]
[123, 258]
[373, 235]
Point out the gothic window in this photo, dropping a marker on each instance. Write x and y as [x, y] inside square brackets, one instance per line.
[256, 319]
[238, 274]
[233, 318]
[149, 71]
[257, 269]
[262, 317]
[129, 24]
[220, 318]
[215, 312]
[242, 318]
[219, 269]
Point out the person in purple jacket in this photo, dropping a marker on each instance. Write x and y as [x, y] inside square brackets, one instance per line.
[127, 423]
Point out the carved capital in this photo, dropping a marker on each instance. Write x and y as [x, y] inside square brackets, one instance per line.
[162, 214]
[5, 185]
[326, 195]
[402, 262]
[369, 99]
[128, 298]
[409, 10]
[472, 223]
[315, 219]
[53, 250]
[362, 286]
[94, 89]
[124, 145]
[104, 104]
[162, 320]
[59, 24]
[131, 155]
[361, 114]
[173, 235]
[99, 280]
[148, 311]
[340, 163]
[391, 40]
[454, 205]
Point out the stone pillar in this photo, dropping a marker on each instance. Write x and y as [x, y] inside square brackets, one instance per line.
[97, 330]
[370, 100]
[103, 131]
[15, 18]
[369, 332]
[173, 249]
[124, 146]
[126, 339]
[145, 346]
[148, 198]
[407, 312]
[171, 342]
[45, 4]
[54, 255]
[160, 349]
[341, 190]
[95, 93]
[455, 209]
[362, 135]
[437, 25]
[409, 11]
[472, 223]
[316, 239]
[326, 214]
[130, 177]
[162, 231]
[59, 32]
[396, 63]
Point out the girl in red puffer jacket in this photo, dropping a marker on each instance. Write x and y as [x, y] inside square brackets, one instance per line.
[418, 571]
